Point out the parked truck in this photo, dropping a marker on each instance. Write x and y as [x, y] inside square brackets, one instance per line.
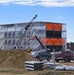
[66, 55]
[43, 54]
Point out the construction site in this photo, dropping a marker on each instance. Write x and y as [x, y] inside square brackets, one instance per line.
[18, 41]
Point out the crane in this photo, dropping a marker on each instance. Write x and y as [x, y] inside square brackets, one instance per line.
[25, 30]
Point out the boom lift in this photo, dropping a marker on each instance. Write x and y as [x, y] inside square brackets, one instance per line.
[44, 53]
[25, 30]
[41, 44]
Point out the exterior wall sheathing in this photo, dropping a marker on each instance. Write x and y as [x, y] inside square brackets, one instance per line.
[52, 35]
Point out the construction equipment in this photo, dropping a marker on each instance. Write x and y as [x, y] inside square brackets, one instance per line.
[39, 42]
[42, 54]
[24, 32]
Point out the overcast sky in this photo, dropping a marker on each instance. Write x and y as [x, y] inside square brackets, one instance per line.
[17, 11]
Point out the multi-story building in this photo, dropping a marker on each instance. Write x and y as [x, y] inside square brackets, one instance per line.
[52, 35]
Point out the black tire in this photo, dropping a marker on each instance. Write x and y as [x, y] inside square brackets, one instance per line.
[39, 58]
[48, 59]
[57, 60]
[66, 60]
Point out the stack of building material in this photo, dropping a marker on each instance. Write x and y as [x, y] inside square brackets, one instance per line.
[33, 65]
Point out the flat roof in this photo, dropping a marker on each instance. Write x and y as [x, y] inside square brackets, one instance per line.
[33, 22]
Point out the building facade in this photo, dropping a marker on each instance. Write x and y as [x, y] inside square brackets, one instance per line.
[52, 35]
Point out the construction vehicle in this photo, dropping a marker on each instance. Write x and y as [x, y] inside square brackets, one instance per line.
[43, 54]
[24, 32]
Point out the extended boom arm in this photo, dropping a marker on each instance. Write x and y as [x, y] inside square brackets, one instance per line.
[25, 30]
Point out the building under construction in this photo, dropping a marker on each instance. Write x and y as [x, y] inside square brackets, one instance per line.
[52, 35]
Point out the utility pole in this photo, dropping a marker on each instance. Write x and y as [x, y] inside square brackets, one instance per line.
[54, 54]
[54, 61]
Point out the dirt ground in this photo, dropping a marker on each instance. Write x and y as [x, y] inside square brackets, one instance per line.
[12, 62]
[12, 71]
